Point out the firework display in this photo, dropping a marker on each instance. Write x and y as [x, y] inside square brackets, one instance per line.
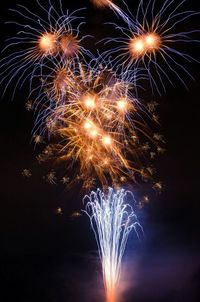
[87, 106]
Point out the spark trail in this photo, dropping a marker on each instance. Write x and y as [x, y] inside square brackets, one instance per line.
[116, 9]
[112, 219]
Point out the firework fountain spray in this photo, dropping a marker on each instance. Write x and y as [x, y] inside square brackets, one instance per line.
[112, 219]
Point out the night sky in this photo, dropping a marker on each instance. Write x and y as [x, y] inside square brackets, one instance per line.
[49, 257]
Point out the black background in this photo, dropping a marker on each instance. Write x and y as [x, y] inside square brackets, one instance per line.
[50, 257]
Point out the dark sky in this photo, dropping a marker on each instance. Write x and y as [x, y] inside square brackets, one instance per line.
[50, 257]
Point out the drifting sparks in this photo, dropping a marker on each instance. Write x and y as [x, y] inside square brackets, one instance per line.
[112, 220]
[75, 215]
[59, 211]
[29, 105]
[26, 173]
[65, 180]
[51, 177]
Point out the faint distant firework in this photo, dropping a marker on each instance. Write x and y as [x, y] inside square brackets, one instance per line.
[112, 219]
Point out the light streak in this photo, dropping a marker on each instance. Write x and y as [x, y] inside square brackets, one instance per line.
[112, 218]
[101, 3]
[116, 9]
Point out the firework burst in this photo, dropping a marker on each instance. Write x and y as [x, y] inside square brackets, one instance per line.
[153, 39]
[97, 117]
[54, 34]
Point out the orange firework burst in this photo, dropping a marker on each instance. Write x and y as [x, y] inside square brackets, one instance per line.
[61, 79]
[43, 40]
[62, 40]
[69, 45]
[92, 122]
[152, 40]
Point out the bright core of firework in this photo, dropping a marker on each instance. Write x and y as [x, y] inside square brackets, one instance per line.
[122, 105]
[47, 43]
[107, 140]
[89, 101]
[139, 46]
[67, 44]
[112, 219]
